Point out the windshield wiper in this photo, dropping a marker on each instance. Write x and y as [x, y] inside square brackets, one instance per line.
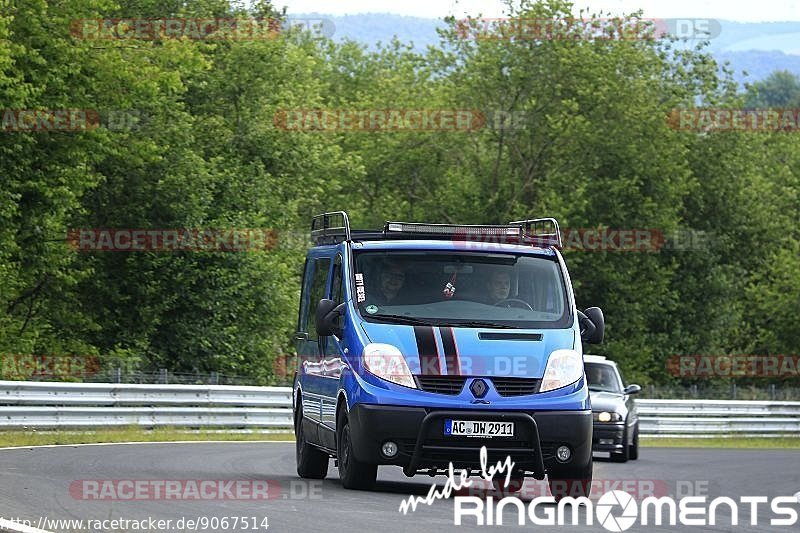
[400, 319]
[474, 324]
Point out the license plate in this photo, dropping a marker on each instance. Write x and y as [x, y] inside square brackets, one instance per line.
[478, 428]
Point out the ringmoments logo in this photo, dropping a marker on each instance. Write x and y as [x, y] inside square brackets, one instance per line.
[616, 499]
[615, 510]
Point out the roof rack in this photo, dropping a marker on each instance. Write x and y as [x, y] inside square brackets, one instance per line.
[545, 230]
[541, 232]
[322, 232]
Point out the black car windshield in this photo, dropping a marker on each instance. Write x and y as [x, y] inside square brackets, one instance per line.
[602, 377]
[461, 288]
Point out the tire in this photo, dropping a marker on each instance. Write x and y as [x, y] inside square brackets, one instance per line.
[622, 457]
[575, 482]
[353, 473]
[312, 463]
[514, 485]
[633, 451]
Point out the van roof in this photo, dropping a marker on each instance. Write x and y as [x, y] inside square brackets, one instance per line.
[426, 244]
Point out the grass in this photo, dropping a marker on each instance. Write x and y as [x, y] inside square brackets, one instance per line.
[130, 434]
[724, 442]
[137, 434]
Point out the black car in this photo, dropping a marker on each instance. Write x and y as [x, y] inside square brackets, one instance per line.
[616, 421]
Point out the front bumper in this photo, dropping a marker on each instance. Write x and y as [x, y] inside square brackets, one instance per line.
[418, 431]
[608, 437]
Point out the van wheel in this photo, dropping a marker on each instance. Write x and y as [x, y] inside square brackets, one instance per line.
[622, 457]
[353, 473]
[312, 463]
[575, 482]
[633, 452]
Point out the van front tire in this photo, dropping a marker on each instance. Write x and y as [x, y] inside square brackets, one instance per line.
[312, 463]
[574, 482]
[353, 473]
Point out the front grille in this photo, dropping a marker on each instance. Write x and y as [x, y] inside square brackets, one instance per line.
[453, 384]
[441, 384]
[515, 386]
[466, 452]
[548, 450]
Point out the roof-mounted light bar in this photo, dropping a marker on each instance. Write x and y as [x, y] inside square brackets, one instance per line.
[455, 231]
[542, 232]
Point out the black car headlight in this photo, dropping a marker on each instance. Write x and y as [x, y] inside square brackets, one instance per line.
[606, 417]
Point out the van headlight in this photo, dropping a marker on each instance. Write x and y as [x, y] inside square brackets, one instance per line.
[387, 362]
[564, 367]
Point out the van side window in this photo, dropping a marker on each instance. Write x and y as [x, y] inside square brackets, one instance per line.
[316, 292]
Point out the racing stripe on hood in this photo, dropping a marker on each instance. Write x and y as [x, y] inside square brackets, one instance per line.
[450, 351]
[428, 351]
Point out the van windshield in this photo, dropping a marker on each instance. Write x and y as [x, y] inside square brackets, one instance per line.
[461, 288]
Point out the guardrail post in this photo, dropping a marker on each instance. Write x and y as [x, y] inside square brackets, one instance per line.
[733, 389]
[215, 378]
[162, 376]
[118, 375]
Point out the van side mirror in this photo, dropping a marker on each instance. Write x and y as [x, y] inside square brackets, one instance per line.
[327, 318]
[632, 389]
[592, 325]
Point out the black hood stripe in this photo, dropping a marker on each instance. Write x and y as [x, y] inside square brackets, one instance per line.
[428, 351]
[450, 351]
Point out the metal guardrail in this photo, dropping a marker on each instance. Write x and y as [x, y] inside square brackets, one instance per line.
[718, 418]
[51, 405]
[74, 405]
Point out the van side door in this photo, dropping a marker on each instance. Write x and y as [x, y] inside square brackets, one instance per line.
[309, 345]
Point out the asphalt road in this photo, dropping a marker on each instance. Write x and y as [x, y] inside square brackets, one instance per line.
[80, 482]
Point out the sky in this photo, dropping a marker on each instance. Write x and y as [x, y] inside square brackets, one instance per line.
[738, 10]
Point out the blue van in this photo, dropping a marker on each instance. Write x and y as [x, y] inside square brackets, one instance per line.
[420, 343]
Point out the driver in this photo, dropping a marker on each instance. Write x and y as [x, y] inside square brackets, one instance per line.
[392, 279]
[498, 286]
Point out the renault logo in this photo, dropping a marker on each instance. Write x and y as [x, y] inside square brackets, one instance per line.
[478, 388]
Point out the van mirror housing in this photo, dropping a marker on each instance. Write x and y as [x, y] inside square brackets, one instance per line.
[592, 325]
[327, 318]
